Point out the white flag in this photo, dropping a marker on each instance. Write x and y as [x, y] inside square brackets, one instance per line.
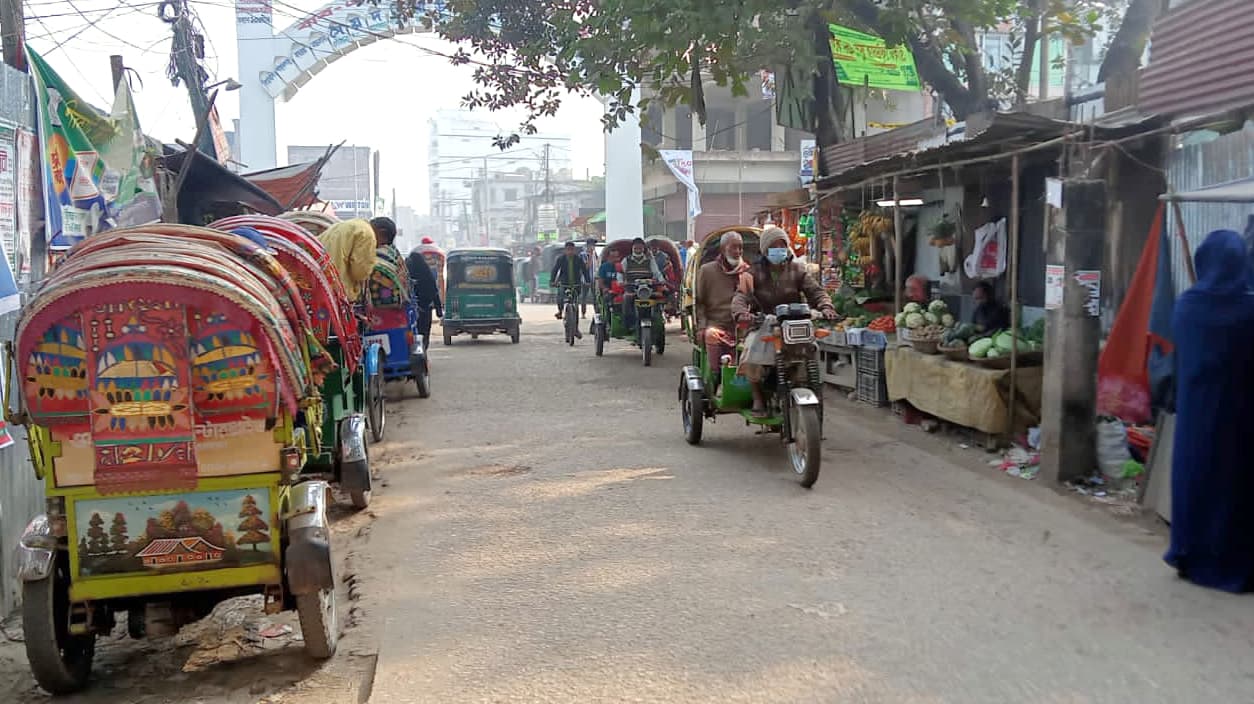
[679, 161]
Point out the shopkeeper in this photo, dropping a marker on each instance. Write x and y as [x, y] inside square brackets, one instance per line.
[990, 314]
[917, 289]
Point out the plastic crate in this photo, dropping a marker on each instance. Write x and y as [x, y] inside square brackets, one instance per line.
[874, 339]
[870, 361]
[872, 389]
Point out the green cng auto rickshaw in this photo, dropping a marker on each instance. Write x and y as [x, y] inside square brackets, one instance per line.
[481, 298]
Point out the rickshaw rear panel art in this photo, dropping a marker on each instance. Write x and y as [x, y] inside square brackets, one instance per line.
[174, 533]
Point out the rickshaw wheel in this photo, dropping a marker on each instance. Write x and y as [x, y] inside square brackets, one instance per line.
[646, 345]
[423, 381]
[692, 410]
[319, 622]
[805, 451]
[60, 662]
[600, 334]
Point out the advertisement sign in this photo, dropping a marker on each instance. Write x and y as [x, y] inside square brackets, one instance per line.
[546, 217]
[865, 60]
[8, 193]
[1055, 276]
[679, 161]
[96, 171]
[809, 151]
[1091, 280]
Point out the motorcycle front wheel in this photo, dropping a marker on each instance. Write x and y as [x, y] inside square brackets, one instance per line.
[805, 450]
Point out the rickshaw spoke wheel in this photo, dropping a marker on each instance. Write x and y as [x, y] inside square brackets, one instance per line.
[376, 406]
[60, 662]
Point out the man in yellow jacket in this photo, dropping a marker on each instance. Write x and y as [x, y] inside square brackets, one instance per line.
[351, 246]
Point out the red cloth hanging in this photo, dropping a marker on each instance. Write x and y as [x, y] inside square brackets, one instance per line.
[1122, 381]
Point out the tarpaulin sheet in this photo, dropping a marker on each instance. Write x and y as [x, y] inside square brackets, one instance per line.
[962, 393]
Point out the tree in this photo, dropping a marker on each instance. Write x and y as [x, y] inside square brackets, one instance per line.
[97, 541]
[1123, 56]
[531, 55]
[117, 533]
[252, 525]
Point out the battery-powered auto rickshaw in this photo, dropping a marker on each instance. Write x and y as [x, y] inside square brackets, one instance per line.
[351, 391]
[543, 268]
[481, 296]
[673, 272]
[647, 297]
[170, 405]
[522, 278]
[709, 388]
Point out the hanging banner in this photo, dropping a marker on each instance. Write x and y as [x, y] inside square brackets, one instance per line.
[8, 192]
[94, 165]
[865, 60]
[679, 161]
[809, 152]
[30, 207]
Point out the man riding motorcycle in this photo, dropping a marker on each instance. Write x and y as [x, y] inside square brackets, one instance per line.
[636, 266]
[775, 280]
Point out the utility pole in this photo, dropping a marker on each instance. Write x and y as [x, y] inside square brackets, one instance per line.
[118, 69]
[485, 205]
[548, 196]
[13, 30]
[187, 50]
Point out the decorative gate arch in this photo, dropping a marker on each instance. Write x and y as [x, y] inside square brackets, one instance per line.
[274, 66]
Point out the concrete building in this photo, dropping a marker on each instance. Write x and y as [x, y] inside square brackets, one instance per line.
[462, 158]
[347, 178]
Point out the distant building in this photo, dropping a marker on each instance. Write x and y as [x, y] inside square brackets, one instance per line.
[346, 181]
[479, 191]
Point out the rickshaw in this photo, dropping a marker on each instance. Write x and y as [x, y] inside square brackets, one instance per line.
[481, 296]
[393, 324]
[709, 388]
[649, 333]
[312, 221]
[434, 256]
[545, 293]
[674, 274]
[522, 277]
[170, 407]
[353, 391]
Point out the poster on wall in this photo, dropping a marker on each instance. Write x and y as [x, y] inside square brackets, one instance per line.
[96, 171]
[1055, 275]
[30, 207]
[8, 192]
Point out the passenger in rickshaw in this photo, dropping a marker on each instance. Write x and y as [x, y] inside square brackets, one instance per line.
[568, 271]
[717, 283]
[775, 280]
[636, 266]
[351, 246]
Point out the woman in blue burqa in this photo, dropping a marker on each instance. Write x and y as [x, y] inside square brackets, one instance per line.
[1212, 483]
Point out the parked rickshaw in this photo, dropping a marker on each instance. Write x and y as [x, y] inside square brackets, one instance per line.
[709, 388]
[481, 297]
[545, 293]
[171, 405]
[353, 390]
[435, 257]
[311, 221]
[522, 278]
[392, 320]
[673, 273]
[608, 322]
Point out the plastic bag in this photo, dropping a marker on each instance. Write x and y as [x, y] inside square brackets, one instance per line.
[1112, 448]
[988, 259]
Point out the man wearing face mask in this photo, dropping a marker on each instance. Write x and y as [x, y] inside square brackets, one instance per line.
[775, 280]
[634, 267]
[717, 283]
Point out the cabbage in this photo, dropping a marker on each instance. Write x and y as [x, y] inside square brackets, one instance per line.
[914, 321]
[938, 307]
[913, 307]
[901, 320]
[931, 319]
[979, 349]
[947, 320]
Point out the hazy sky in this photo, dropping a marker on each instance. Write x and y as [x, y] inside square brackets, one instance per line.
[354, 99]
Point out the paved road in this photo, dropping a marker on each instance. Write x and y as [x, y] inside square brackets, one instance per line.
[547, 536]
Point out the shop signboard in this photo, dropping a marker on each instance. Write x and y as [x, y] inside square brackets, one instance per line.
[546, 217]
[865, 60]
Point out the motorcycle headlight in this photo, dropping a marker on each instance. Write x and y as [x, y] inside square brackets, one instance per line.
[644, 292]
[797, 332]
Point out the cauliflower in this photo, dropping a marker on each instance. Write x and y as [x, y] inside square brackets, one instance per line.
[914, 321]
[901, 320]
[931, 319]
[913, 307]
[938, 307]
[947, 320]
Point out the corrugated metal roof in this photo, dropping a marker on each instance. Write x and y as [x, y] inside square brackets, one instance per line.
[1001, 133]
[1200, 59]
[858, 151]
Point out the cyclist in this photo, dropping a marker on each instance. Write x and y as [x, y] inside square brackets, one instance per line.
[569, 272]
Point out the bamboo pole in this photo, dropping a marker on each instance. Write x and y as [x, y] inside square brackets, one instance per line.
[1014, 294]
[898, 280]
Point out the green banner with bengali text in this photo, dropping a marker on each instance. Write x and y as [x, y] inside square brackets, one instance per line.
[865, 60]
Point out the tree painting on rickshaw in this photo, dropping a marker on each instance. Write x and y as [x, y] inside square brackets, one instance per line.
[159, 534]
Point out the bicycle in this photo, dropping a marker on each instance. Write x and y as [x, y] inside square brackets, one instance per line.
[570, 312]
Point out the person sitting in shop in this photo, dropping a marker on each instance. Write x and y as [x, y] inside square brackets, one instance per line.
[918, 289]
[990, 313]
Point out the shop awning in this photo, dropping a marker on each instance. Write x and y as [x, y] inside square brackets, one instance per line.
[293, 187]
[209, 182]
[1232, 192]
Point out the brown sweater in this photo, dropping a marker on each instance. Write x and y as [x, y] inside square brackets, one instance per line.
[793, 284]
[717, 284]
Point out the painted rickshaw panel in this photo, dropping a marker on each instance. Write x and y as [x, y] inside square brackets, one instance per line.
[225, 534]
